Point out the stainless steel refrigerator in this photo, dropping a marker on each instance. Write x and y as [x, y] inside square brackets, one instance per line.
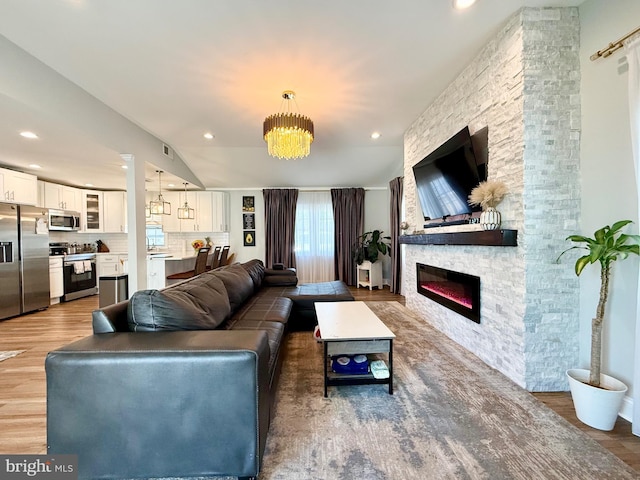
[24, 259]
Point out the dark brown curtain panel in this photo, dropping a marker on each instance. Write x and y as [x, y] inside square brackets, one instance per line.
[348, 214]
[395, 186]
[280, 224]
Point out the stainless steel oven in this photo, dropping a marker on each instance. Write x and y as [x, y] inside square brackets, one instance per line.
[80, 277]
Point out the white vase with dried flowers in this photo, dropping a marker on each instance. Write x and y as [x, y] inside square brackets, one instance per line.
[488, 195]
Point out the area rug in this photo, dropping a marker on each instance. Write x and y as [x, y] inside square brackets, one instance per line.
[8, 354]
[451, 417]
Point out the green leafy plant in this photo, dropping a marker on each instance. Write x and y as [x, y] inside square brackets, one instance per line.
[607, 245]
[370, 245]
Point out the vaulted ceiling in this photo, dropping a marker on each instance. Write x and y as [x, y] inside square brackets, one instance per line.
[179, 69]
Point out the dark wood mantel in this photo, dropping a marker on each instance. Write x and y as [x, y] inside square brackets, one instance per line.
[497, 238]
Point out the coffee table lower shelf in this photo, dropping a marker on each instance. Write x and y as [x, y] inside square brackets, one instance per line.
[332, 379]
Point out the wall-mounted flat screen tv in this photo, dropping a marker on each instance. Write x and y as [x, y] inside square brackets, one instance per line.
[445, 177]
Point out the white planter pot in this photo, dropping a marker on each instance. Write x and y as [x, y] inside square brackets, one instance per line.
[596, 407]
[490, 219]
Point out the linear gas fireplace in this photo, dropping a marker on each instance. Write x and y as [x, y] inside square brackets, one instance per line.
[458, 291]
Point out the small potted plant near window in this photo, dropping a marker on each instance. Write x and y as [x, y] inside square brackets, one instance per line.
[488, 195]
[366, 252]
[597, 397]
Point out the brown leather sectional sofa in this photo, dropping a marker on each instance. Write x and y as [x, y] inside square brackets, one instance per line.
[179, 382]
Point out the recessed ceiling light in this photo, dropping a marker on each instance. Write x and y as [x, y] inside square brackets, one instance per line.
[28, 135]
[375, 135]
[208, 136]
[462, 4]
[171, 185]
[35, 166]
[88, 184]
[125, 166]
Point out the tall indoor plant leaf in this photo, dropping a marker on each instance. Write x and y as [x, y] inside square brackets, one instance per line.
[607, 245]
[370, 245]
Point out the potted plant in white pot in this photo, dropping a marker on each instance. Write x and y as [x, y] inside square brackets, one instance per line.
[597, 397]
[366, 252]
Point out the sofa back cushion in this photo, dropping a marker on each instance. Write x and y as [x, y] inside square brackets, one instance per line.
[198, 304]
[238, 283]
[255, 269]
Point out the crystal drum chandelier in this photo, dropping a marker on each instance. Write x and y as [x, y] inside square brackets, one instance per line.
[288, 135]
[159, 206]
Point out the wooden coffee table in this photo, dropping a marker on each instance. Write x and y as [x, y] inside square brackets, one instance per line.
[350, 328]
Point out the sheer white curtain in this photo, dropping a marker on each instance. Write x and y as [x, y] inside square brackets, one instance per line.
[314, 237]
[632, 48]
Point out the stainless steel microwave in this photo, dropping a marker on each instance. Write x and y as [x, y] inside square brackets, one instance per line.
[64, 220]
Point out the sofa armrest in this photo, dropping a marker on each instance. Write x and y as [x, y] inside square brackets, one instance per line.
[112, 318]
[284, 278]
[160, 404]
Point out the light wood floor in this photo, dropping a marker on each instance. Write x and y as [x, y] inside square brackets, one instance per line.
[23, 387]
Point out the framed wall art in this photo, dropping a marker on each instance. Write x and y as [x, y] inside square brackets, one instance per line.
[248, 221]
[249, 238]
[248, 204]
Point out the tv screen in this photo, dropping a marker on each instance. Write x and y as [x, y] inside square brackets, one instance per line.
[445, 178]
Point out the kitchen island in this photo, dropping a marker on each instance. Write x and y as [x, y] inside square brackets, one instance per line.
[160, 265]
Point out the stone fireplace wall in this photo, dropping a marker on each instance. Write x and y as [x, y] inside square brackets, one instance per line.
[523, 85]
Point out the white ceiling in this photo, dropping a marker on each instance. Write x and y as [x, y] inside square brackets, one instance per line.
[178, 69]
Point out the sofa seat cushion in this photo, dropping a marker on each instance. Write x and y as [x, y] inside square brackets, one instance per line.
[270, 309]
[275, 332]
[306, 295]
[199, 304]
[303, 313]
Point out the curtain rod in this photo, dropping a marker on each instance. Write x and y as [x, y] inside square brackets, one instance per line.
[613, 46]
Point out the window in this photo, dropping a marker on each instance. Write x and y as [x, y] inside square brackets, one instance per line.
[155, 236]
[314, 238]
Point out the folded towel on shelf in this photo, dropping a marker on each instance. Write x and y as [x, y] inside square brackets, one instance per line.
[87, 266]
[78, 267]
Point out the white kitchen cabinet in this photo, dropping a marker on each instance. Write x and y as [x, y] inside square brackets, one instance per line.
[56, 278]
[92, 212]
[62, 197]
[203, 204]
[18, 187]
[115, 212]
[156, 276]
[107, 265]
[110, 264]
[220, 221]
[170, 223]
[210, 212]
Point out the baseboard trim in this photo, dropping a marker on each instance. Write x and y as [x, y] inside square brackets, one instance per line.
[626, 411]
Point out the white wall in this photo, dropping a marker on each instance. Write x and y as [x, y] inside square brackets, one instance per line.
[608, 188]
[376, 207]
[236, 236]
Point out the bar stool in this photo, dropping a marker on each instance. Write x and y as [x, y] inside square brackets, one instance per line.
[214, 261]
[200, 266]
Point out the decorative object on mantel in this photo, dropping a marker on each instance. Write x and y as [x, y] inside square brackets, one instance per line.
[288, 135]
[488, 195]
[597, 397]
[197, 245]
